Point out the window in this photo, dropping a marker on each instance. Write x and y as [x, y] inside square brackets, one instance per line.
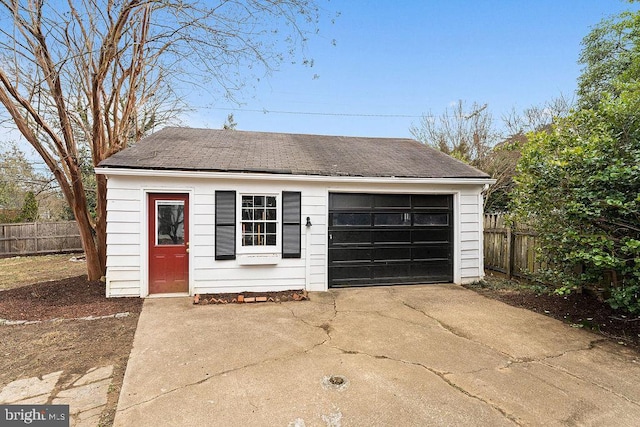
[262, 224]
[169, 222]
[259, 220]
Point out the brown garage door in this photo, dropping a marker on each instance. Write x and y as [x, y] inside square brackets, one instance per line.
[384, 239]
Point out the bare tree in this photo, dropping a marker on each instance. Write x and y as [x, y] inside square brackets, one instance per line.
[97, 74]
[536, 118]
[464, 133]
[467, 134]
[503, 158]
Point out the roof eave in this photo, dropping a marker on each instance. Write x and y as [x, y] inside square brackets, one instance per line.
[136, 172]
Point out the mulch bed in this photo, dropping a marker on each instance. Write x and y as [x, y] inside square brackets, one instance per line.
[63, 299]
[583, 310]
[251, 297]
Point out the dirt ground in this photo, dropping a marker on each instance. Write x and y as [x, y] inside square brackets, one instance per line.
[580, 310]
[61, 341]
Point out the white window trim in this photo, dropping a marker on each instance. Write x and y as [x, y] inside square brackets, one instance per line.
[272, 250]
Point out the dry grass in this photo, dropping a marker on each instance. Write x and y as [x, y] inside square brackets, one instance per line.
[20, 271]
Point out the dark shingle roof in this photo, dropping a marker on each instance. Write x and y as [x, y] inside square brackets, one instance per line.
[177, 148]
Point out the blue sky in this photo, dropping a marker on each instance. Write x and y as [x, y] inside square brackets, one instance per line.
[408, 58]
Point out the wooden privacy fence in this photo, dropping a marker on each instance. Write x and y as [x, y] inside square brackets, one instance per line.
[39, 238]
[510, 249]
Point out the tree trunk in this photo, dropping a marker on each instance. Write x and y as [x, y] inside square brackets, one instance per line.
[94, 268]
[101, 221]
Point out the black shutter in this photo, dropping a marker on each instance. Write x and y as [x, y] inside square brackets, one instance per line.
[291, 222]
[225, 225]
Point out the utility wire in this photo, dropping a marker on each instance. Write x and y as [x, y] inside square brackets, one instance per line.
[311, 113]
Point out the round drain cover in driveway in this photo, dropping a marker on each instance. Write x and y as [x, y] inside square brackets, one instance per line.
[335, 382]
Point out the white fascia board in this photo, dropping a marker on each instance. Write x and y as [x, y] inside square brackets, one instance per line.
[285, 177]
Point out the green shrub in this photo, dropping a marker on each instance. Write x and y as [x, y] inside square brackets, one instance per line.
[625, 298]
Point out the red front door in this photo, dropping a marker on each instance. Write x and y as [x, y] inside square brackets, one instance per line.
[168, 243]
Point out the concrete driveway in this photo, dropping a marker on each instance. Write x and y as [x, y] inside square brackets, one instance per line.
[403, 356]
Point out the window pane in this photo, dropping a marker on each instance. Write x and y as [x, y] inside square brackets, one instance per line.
[392, 200]
[247, 214]
[392, 219]
[271, 215]
[170, 222]
[351, 219]
[247, 201]
[341, 201]
[271, 201]
[427, 235]
[271, 239]
[430, 219]
[258, 200]
[431, 201]
[271, 227]
[258, 227]
[392, 236]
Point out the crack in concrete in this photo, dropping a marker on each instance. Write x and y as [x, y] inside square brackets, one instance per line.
[508, 363]
[522, 360]
[516, 361]
[511, 359]
[220, 374]
[325, 326]
[442, 376]
[250, 365]
[453, 330]
[587, 380]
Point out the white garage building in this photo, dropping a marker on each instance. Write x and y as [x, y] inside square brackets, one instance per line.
[193, 211]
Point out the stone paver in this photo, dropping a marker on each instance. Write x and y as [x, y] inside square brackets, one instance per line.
[90, 418]
[94, 374]
[86, 396]
[29, 388]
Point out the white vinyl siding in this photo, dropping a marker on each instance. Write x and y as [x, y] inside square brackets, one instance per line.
[127, 232]
[123, 239]
[470, 247]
